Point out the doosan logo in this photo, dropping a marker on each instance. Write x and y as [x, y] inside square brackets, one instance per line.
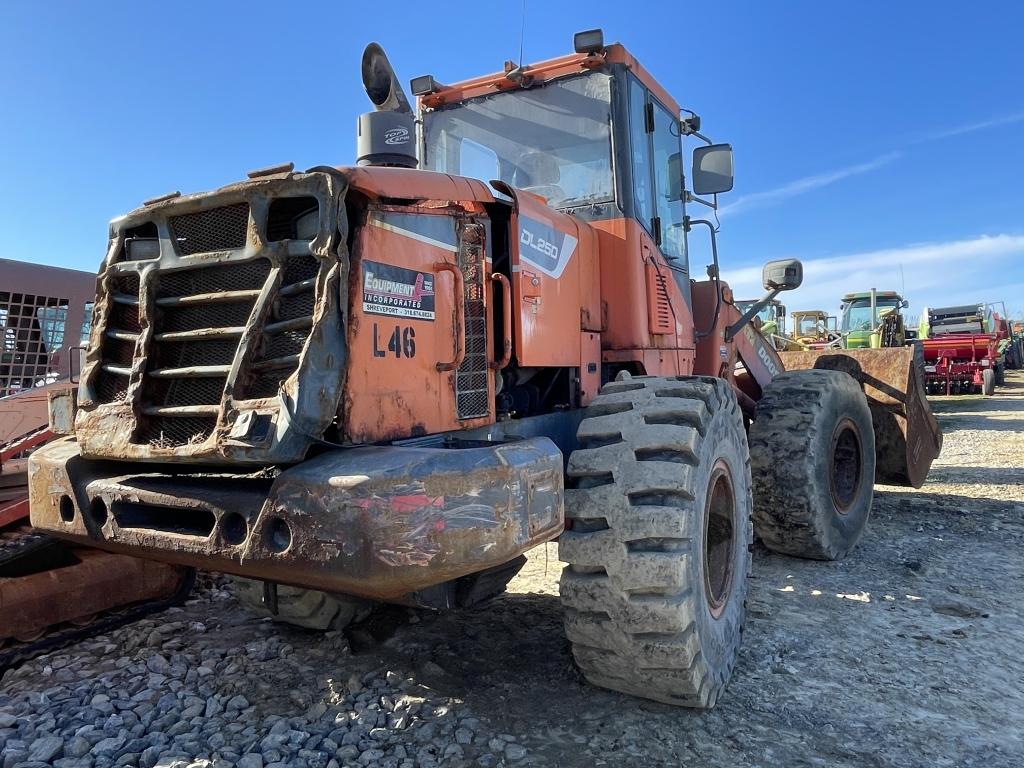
[397, 135]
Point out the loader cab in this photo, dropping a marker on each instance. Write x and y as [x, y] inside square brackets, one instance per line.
[592, 133]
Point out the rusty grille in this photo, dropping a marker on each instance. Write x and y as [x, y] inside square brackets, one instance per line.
[167, 432]
[277, 357]
[471, 397]
[218, 229]
[119, 338]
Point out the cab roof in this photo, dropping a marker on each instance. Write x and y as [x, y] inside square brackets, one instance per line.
[544, 72]
[867, 295]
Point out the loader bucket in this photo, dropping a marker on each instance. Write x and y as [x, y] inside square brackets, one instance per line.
[907, 436]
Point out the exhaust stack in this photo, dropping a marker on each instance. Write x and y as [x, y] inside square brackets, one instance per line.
[387, 135]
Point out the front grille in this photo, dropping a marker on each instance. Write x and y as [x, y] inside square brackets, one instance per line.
[170, 432]
[218, 229]
[174, 342]
[471, 397]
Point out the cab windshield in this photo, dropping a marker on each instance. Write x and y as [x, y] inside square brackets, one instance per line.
[553, 140]
[766, 313]
[809, 326]
[857, 316]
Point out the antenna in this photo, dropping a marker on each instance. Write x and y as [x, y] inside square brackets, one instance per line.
[522, 35]
[903, 286]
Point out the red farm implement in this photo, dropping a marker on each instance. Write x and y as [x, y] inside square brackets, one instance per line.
[960, 364]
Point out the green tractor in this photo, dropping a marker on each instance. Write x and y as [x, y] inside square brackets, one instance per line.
[873, 319]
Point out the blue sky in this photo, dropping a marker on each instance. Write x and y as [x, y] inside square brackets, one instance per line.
[869, 136]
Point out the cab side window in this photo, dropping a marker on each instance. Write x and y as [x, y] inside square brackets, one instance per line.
[640, 154]
[655, 156]
[668, 183]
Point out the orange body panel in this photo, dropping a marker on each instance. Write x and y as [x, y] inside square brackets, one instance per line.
[409, 184]
[555, 284]
[402, 324]
[626, 253]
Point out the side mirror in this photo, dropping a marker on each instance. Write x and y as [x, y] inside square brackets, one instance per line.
[780, 311]
[675, 177]
[782, 275]
[712, 169]
[904, 304]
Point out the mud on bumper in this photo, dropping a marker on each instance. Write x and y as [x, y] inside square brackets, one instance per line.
[378, 522]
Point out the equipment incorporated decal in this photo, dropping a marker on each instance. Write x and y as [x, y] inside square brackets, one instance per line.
[397, 292]
[545, 247]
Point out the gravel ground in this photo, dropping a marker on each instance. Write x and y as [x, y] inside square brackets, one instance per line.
[908, 653]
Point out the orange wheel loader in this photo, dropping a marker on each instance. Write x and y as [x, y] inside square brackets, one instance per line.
[388, 381]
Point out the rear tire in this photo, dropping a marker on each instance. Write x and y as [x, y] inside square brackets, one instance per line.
[812, 462]
[300, 607]
[658, 552]
[988, 381]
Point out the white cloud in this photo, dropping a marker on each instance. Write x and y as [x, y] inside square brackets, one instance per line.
[806, 184]
[935, 274]
[960, 130]
[817, 181]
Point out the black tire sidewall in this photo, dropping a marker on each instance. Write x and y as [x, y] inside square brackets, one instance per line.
[719, 636]
[988, 381]
[842, 404]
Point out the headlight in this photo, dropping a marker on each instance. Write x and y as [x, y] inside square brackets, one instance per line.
[142, 248]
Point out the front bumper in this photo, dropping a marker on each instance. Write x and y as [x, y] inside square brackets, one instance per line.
[376, 522]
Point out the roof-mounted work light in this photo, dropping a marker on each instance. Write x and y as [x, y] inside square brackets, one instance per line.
[588, 41]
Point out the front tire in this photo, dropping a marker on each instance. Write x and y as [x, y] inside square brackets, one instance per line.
[308, 608]
[812, 462]
[658, 501]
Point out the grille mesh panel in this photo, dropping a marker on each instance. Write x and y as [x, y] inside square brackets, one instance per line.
[124, 317]
[241, 276]
[299, 268]
[218, 229]
[192, 391]
[118, 351]
[176, 432]
[471, 396]
[283, 344]
[111, 388]
[127, 283]
[179, 354]
[264, 386]
[197, 316]
[293, 307]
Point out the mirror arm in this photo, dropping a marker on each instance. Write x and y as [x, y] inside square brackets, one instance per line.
[687, 223]
[756, 307]
[692, 198]
[701, 136]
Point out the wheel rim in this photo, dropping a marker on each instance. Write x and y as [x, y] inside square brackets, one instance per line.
[719, 538]
[845, 477]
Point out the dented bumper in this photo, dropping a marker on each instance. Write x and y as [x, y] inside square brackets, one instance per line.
[377, 522]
